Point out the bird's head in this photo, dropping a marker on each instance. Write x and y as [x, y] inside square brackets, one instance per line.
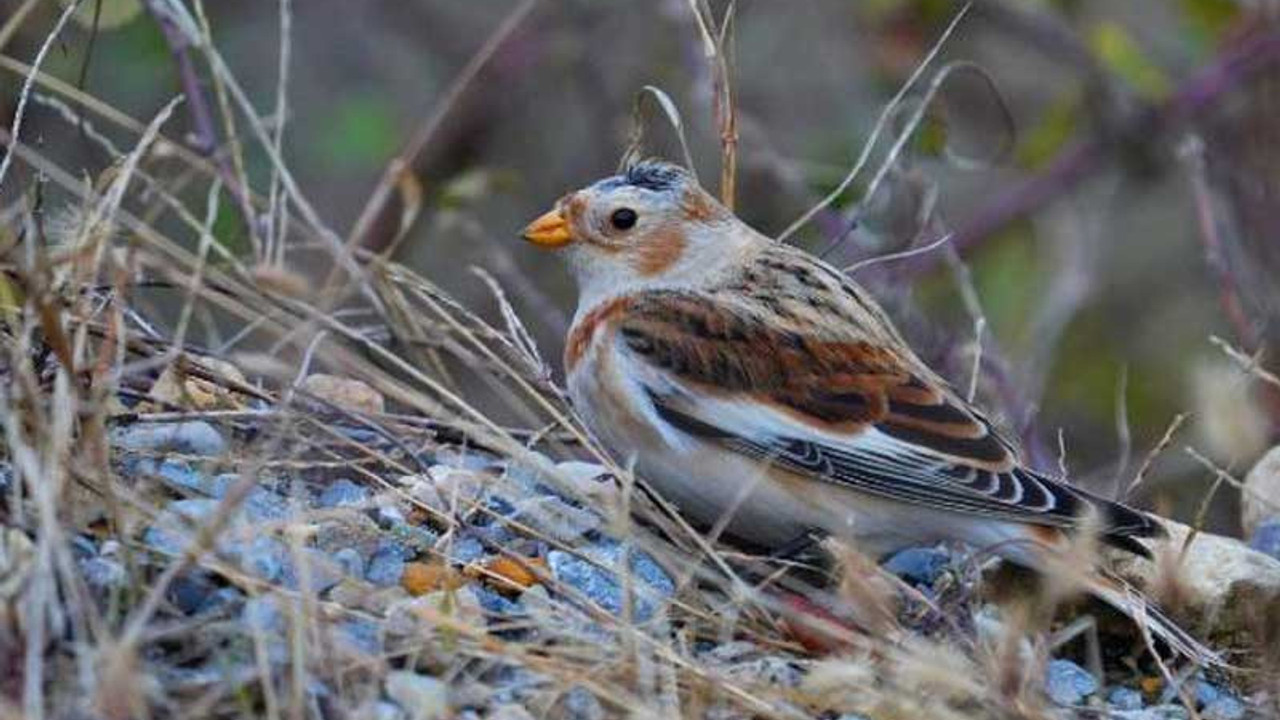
[651, 225]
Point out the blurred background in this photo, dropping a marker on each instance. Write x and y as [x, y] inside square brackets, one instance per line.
[1109, 174]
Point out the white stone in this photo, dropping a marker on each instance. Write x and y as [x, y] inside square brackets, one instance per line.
[422, 697]
[1261, 497]
[1224, 587]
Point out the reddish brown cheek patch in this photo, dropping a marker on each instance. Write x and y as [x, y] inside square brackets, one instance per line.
[658, 252]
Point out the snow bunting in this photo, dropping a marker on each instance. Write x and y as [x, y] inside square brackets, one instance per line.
[760, 389]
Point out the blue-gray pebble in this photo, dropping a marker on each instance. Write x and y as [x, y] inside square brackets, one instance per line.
[1067, 683]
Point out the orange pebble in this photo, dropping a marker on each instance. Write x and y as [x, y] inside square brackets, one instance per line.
[421, 578]
[517, 573]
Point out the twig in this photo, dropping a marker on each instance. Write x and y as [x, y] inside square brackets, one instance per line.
[276, 229]
[204, 139]
[404, 160]
[882, 122]
[1191, 151]
[1247, 363]
[1199, 93]
[1155, 452]
[723, 109]
[25, 93]
[10, 27]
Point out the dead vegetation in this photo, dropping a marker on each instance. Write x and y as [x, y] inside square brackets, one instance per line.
[122, 313]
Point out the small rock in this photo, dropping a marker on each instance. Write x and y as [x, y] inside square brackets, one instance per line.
[1068, 684]
[1204, 692]
[420, 696]
[512, 575]
[464, 458]
[387, 514]
[386, 567]
[190, 592]
[262, 614]
[343, 493]
[591, 482]
[918, 566]
[177, 524]
[177, 472]
[768, 670]
[580, 704]
[421, 578]
[1260, 498]
[602, 586]
[347, 528]
[264, 557]
[360, 435]
[454, 487]
[222, 600]
[350, 561]
[1266, 537]
[495, 603]
[193, 437]
[322, 571]
[461, 605]
[418, 539]
[1226, 587]
[509, 712]
[361, 635]
[1165, 712]
[178, 385]
[466, 550]
[102, 574]
[262, 505]
[220, 484]
[382, 710]
[1226, 707]
[1123, 698]
[734, 651]
[347, 393]
[556, 519]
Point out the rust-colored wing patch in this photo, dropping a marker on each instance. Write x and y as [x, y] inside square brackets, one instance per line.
[833, 385]
[584, 330]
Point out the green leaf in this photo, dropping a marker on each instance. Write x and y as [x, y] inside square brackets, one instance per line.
[1046, 138]
[1208, 19]
[1119, 52]
[360, 132]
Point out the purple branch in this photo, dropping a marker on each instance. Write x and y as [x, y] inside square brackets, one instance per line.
[204, 138]
[1232, 67]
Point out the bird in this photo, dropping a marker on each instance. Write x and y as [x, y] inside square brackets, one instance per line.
[760, 389]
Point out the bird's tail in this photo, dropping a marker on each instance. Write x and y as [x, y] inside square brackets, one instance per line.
[1150, 619]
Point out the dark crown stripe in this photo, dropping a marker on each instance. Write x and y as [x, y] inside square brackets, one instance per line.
[656, 176]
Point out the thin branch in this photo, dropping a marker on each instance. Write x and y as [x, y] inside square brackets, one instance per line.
[1200, 93]
[204, 139]
[882, 122]
[25, 94]
[404, 160]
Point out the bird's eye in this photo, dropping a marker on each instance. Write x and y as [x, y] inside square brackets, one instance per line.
[623, 218]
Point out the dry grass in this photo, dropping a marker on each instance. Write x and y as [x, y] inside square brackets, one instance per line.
[130, 283]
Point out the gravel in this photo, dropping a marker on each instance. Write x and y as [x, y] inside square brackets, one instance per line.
[1266, 537]
[596, 578]
[1068, 684]
[344, 493]
[195, 437]
[918, 566]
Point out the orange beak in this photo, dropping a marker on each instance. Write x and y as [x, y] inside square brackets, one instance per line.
[549, 230]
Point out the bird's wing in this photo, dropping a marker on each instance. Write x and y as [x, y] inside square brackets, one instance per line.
[838, 409]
